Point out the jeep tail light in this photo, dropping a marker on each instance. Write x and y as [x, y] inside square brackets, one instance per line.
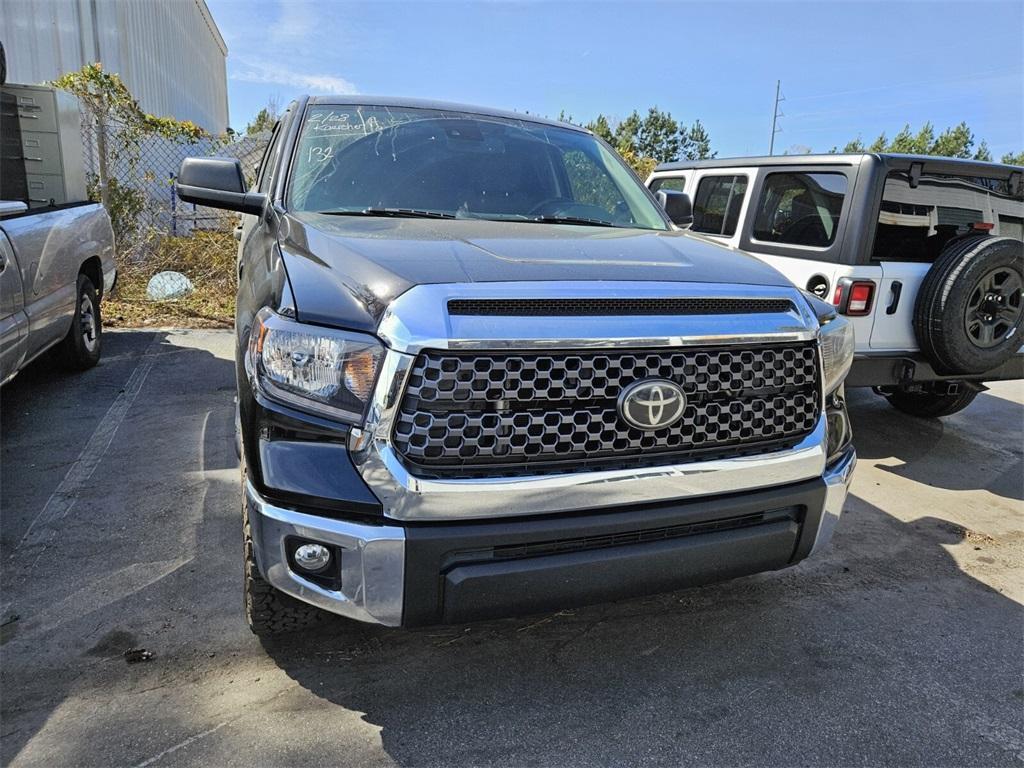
[854, 297]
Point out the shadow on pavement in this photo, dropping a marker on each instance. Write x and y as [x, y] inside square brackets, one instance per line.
[886, 636]
[922, 449]
[124, 562]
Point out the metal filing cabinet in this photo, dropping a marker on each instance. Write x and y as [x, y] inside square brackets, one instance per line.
[40, 146]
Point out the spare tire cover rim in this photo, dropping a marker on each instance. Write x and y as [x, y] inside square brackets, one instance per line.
[994, 307]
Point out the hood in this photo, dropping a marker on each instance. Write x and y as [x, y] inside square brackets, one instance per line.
[346, 270]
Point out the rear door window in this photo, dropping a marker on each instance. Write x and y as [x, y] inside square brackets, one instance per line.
[915, 223]
[716, 206]
[800, 208]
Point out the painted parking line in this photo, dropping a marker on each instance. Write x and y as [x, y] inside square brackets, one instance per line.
[63, 499]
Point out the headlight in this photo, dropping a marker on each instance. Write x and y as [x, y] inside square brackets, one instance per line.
[327, 372]
[837, 345]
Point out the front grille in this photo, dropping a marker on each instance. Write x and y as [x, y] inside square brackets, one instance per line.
[507, 414]
[606, 307]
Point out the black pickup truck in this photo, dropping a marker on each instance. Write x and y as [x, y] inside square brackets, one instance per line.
[481, 372]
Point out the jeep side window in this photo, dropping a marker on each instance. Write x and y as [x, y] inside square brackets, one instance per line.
[716, 206]
[677, 184]
[914, 224]
[800, 208]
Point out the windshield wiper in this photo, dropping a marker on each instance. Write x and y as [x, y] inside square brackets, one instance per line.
[570, 220]
[407, 213]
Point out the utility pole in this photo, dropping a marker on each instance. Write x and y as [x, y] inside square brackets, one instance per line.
[775, 116]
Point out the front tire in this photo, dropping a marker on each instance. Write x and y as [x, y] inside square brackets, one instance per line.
[268, 611]
[932, 405]
[82, 346]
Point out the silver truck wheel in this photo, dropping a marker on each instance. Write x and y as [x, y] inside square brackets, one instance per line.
[81, 347]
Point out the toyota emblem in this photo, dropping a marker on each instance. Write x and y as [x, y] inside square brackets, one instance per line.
[652, 404]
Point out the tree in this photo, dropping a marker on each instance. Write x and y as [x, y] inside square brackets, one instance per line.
[879, 144]
[626, 135]
[697, 144]
[265, 119]
[1013, 159]
[953, 142]
[956, 141]
[658, 136]
[119, 122]
[601, 127]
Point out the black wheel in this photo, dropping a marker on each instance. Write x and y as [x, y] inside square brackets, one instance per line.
[268, 611]
[81, 347]
[932, 404]
[969, 316]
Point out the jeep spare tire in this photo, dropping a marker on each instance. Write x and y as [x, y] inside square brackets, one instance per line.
[969, 316]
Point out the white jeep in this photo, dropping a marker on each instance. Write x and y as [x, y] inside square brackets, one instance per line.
[924, 255]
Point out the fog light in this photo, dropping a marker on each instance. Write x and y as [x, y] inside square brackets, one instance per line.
[312, 557]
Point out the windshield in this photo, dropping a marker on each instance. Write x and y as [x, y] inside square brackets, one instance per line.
[401, 161]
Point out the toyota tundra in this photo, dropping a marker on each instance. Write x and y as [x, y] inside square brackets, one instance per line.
[481, 372]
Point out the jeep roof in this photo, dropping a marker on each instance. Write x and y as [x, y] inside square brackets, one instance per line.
[886, 159]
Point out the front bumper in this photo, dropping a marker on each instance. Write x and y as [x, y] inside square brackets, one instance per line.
[417, 574]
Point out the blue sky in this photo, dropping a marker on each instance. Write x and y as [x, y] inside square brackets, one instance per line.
[847, 68]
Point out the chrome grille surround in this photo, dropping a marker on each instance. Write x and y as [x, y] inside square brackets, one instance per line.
[418, 321]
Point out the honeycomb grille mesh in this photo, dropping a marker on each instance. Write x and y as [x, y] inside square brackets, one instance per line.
[500, 414]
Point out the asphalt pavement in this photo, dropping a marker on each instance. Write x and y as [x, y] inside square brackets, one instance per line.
[120, 532]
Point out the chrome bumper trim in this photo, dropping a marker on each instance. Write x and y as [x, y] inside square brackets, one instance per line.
[837, 476]
[372, 561]
[407, 497]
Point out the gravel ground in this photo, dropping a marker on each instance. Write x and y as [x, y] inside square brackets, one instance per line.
[120, 530]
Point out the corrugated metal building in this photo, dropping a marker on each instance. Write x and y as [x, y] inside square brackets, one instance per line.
[169, 53]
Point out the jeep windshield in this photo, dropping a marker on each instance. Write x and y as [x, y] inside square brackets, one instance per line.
[427, 163]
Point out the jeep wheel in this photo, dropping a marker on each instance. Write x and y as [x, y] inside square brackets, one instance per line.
[932, 405]
[969, 316]
[268, 611]
[81, 347]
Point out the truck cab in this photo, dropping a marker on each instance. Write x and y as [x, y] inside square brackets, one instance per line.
[886, 239]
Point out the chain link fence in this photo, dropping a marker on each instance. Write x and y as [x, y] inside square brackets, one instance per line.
[157, 234]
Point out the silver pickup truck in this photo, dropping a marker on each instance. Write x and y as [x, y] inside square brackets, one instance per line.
[56, 263]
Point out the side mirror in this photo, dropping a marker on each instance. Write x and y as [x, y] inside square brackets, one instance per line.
[677, 205]
[217, 182]
[11, 207]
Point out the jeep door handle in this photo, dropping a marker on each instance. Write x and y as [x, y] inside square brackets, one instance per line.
[894, 302]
